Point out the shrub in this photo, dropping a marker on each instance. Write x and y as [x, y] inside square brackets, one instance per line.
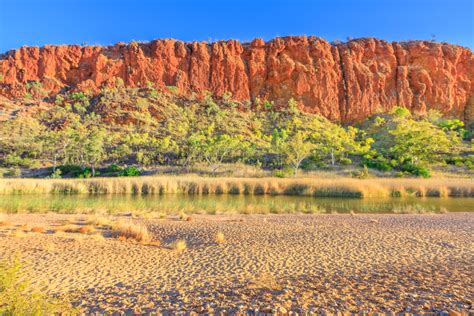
[17, 161]
[416, 170]
[16, 297]
[345, 161]
[363, 174]
[75, 171]
[55, 175]
[173, 89]
[114, 168]
[13, 173]
[86, 173]
[283, 173]
[131, 171]
[379, 163]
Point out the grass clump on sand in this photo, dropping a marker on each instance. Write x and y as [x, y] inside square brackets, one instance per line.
[220, 238]
[38, 229]
[17, 297]
[131, 231]
[179, 245]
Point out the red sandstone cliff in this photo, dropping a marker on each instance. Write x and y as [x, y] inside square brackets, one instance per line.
[346, 82]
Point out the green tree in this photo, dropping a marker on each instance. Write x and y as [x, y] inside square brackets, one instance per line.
[297, 148]
[421, 142]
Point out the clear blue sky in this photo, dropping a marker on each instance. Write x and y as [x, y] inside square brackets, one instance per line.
[29, 22]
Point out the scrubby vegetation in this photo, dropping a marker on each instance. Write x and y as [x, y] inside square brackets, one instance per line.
[122, 131]
[17, 297]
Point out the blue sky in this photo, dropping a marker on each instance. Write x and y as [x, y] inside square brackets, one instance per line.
[28, 22]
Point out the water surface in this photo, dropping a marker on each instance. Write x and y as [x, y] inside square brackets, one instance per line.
[221, 204]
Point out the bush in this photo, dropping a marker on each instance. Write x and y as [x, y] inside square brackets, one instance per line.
[12, 160]
[399, 174]
[16, 297]
[283, 173]
[70, 170]
[362, 174]
[131, 171]
[379, 163]
[75, 171]
[13, 173]
[461, 161]
[114, 168]
[416, 170]
[55, 175]
[86, 173]
[345, 161]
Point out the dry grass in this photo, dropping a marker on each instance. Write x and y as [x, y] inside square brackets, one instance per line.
[23, 227]
[49, 247]
[179, 245]
[88, 229]
[127, 231]
[68, 228]
[97, 237]
[220, 238]
[38, 229]
[155, 243]
[5, 223]
[18, 233]
[320, 187]
[99, 221]
[265, 281]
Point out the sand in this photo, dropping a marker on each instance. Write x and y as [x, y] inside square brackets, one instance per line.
[268, 263]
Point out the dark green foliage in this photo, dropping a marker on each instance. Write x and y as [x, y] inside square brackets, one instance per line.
[131, 171]
[467, 161]
[416, 170]
[380, 163]
[74, 171]
[113, 168]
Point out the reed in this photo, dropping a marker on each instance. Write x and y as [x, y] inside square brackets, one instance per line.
[318, 187]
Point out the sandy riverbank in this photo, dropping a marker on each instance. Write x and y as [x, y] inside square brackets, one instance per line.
[270, 263]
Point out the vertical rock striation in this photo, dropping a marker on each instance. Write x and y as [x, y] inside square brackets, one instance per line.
[343, 82]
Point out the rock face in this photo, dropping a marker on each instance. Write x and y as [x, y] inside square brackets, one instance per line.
[344, 82]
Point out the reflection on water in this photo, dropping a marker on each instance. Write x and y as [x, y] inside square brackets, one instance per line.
[217, 204]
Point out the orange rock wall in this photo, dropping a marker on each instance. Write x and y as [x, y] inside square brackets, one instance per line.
[344, 82]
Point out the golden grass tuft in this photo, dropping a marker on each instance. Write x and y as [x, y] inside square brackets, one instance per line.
[220, 238]
[97, 237]
[49, 247]
[5, 223]
[88, 229]
[100, 221]
[69, 228]
[126, 231]
[18, 233]
[37, 229]
[179, 245]
[23, 227]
